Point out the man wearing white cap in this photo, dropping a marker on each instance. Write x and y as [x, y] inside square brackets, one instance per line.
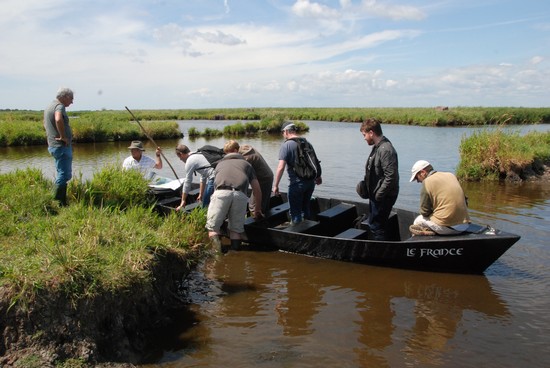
[443, 207]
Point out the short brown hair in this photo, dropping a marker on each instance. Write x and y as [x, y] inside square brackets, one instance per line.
[372, 124]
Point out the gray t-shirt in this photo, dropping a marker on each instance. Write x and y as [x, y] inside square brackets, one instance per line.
[51, 128]
[234, 171]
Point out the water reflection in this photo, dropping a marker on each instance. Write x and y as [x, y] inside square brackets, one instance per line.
[278, 308]
[529, 199]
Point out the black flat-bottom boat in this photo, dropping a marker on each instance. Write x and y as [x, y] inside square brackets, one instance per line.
[337, 231]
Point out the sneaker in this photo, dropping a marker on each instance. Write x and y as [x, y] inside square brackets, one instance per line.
[296, 220]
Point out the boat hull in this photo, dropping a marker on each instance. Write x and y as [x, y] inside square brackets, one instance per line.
[342, 240]
[339, 232]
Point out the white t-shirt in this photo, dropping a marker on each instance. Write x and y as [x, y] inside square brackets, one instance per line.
[144, 165]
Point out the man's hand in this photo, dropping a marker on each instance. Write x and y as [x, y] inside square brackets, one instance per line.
[63, 139]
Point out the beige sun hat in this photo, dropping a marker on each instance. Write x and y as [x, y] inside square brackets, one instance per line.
[418, 165]
[137, 144]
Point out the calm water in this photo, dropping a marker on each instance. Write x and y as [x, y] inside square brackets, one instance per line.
[270, 309]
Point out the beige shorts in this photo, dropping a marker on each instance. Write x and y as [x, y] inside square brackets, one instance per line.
[230, 204]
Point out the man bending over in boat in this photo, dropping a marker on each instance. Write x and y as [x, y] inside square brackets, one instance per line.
[195, 162]
[229, 200]
[138, 161]
[443, 207]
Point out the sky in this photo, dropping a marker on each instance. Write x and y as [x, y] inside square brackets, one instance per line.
[203, 54]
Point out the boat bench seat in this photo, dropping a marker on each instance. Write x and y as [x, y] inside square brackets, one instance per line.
[169, 201]
[337, 219]
[193, 195]
[192, 206]
[278, 211]
[353, 233]
[392, 226]
[275, 215]
[305, 227]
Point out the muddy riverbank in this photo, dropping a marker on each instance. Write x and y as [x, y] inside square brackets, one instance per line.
[109, 330]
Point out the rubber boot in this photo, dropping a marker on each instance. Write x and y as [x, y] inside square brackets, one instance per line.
[217, 244]
[60, 194]
[236, 244]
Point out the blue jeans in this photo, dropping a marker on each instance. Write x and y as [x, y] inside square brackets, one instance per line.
[378, 216]
[63, 163]
[208, 192]
[299, 196]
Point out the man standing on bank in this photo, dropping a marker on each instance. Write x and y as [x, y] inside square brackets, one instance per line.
[381, 177]
[300, 190]
[59, 136]
[233, 174]
[443, 207]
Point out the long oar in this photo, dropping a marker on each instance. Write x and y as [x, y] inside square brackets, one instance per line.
[152, 141]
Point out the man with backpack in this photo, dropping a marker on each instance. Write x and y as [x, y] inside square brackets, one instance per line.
[196, 162]
[304, 171]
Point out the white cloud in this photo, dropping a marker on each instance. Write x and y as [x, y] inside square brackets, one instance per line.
[307, 9]
[387, 10]
[537, 60]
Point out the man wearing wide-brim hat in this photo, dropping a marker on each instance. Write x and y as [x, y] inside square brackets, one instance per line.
[138, 161]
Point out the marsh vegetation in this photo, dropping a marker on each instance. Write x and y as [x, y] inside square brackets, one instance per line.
[99, 270]
[25, 127]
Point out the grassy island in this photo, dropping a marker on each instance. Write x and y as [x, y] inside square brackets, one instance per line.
[100, 271]
[497, 155]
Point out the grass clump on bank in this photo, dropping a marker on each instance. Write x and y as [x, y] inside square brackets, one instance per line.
[268, 126]
[497, 155]
[104, 241]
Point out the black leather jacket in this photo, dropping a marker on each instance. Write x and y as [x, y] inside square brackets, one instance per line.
[382, 171]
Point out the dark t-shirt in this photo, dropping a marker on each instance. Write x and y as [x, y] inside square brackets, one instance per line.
[234, 171]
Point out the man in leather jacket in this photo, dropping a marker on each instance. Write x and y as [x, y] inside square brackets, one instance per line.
[381, 177]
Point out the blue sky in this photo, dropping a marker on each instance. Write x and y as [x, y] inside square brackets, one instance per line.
[175, 54]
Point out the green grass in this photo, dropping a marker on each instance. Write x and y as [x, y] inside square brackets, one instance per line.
[103, 241]
[495, 155]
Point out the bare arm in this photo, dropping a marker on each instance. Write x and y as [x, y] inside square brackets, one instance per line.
[60, 125]
[255, 184]
[278, 175]
[158, 160]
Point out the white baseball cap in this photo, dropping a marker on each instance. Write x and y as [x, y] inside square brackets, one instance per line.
[418, 165]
